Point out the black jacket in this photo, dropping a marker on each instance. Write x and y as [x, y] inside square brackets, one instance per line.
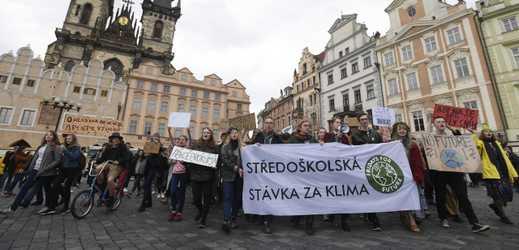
[361, 137]
[115, 154]
[202, 173]
[231, 162]
[514, 160]
[276, 139]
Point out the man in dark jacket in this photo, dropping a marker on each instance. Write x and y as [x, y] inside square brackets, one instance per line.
[268, 137]
[515, 161]
[365, 135]
[116, 152]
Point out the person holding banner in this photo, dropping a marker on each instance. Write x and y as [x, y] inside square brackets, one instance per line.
[303, 136]
[153, 163]
[320, 134]
[268, 137]
[336, 134]
[232, 179]
[202, 177]
[402, 132]
[455, 181]
[177, 176]
[365, 135]
[499, 171]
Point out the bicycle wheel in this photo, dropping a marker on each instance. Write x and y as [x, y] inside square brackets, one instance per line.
[82, 204]
[117, 201]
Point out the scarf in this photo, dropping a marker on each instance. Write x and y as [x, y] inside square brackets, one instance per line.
[495, 156]
[268, 136]
[234, 144]
[303, 137]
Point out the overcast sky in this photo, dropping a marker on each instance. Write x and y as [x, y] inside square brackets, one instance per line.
[259, 43]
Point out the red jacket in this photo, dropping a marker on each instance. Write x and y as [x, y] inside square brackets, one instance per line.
[344, 138]
[416, 163]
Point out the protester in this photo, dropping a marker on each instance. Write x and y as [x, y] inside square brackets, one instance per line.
[8, 169]
[218, 182]
[202, 177]
[499, 171]
[515, 162]
[140, 166]
[455, 181]
[320, 134]
[125, 178]
[336, 134]
[402, 132]
[115, 152]
[366, 135]
[177, 177]
[41, 168]
[19, 158]
[154, 162]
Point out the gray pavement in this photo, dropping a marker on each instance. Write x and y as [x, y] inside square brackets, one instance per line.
[128, 229]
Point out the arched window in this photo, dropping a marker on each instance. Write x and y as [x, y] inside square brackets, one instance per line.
[116, 66]
[69, 65]
[87, 12]
[157, 32]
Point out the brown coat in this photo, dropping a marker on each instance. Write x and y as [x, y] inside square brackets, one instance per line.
[20, 161]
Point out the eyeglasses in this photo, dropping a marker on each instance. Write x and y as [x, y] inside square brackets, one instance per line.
[365, 119]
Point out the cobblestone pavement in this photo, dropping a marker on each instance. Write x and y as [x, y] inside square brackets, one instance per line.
[128, 229]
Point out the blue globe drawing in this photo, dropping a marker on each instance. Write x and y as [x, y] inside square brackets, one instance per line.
[451, 158]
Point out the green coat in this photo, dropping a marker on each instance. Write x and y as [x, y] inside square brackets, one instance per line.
[294, 139]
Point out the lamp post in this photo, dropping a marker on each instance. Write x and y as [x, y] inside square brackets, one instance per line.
[62, 104]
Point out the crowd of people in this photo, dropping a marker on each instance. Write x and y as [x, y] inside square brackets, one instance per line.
[55, 167]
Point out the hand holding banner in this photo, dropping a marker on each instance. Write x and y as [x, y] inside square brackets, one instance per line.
[194, 156]
[179, 120]
[457, 117]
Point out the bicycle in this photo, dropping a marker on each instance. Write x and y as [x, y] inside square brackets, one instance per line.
[84, 201]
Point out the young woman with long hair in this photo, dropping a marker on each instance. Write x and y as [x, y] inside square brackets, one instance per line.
[41, 168]
[177, 177]
[336, 134]
[19, 158]
[139, 172]
[320, 134]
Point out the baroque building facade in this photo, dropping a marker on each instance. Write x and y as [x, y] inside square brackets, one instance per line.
[26, 80]
[280, 109]
[498, 28]
[432, 55]
[350, 79]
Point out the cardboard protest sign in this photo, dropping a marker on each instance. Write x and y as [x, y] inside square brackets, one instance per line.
[86, 125]
[287, 130]
[179, 120]
[151, 147]
[386, 133]
[246, 121]
[457, 117]
[383, 116]
[353, 122]
[193, 156]
[452, 153]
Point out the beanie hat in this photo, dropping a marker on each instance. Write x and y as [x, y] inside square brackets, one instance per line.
[485, 127]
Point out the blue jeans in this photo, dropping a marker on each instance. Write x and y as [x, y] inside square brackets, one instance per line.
[232, 197]
[12, 185]
[6, 176]
[150, 175]
[35, 190]
[173, 187]
[31, 180]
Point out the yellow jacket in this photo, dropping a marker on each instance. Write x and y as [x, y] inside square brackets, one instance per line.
[490, 168]
[2, 165]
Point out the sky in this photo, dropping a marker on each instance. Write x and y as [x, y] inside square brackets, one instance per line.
[259, 43]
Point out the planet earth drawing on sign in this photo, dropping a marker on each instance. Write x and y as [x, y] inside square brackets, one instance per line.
[451, 158]
[384, 174]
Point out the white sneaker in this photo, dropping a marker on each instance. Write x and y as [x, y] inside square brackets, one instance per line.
[7, 211]
[126, 190]
[158, 196]
[153, 192]
[162, 196]
[44, 209]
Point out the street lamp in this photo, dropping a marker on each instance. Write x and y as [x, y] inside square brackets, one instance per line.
[62, 104]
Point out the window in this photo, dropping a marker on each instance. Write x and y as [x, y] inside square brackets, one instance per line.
[510, 24]
[430, 44]
[149, 71]
[330, 79]
[407, 52]
[215, 133]
[89, 91]
[418, 121]
[17, 81]
[194, 93]
[192, 110]
[69, 66]
[454, 35]
[392, 86]
[367, 62]
[462, 68]
[154, 87]
[205, 112]
[239, 107]
[201, 132]
[161, 129]
[347, 51]
[216, 114]
[289, 121]
[370, 91]
[184, 77]
[178, 132]
[340, 54]
[3, 79]
[104, 92]
[515, 53]
[77, 89]
[157, 32]
[137, 103]
[30, 83]
[354, 68]
[411, 12]
[297, 88]
[151, 104]
[412, 81]
[315, 99]
[436, 74]
[234, 93]
[183, 91]
[398, 118]
[87, 12]
[213, 82]
[133, 127]
[181, 107]
[389, 58]
[308, 83]
[166, 89]
[346, 101]
[288, 105]
[164, 106]
[282, 123]
[311, 102]
[140, 85]
[473, 105]
[147, 128]
[356, 95]
[332, 104]
[27, 117]
[217, 97]
[206, 95]
[5, 115]
[313, 80]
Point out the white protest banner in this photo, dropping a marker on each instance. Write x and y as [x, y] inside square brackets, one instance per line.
[305, 179]
[193, 156]
[179, 120]
[383, 116]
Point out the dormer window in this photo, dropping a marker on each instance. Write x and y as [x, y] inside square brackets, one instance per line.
[411, 12]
